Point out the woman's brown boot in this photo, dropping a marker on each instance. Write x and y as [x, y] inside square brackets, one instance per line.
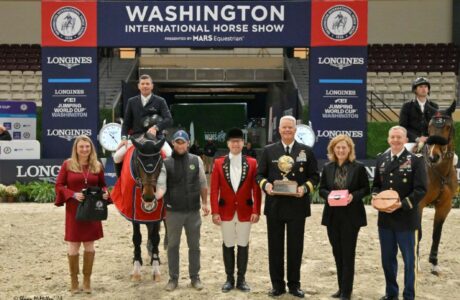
[74, 270]
[88, 260]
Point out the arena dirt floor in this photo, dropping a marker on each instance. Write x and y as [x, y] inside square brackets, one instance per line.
[33, 260]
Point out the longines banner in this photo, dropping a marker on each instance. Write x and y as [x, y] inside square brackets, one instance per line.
[70, 98]
[338, 66]
[204, 23]
[31, 170]
[338, 96]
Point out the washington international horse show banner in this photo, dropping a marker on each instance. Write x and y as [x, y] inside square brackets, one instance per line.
[72, 31]
[204, 23]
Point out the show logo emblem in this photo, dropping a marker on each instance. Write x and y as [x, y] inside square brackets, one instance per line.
[68, 24]
[340, 22]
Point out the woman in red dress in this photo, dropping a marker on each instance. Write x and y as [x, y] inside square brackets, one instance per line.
[78, 172]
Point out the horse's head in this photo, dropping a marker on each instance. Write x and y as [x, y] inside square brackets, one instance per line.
[441, 135]
[147, 163]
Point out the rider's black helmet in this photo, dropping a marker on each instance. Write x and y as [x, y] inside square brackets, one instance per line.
[420, 81]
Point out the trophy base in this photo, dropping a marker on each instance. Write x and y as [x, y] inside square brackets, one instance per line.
[285, 188]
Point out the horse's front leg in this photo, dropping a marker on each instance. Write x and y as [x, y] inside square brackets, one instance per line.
[137, 259]
[429, 198]
[442, 209]
[152, 246]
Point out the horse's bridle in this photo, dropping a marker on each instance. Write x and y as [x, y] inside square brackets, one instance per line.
[152, 172]
[439, 121]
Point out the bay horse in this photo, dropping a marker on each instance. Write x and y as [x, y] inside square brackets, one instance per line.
[439, 156]
[137, 199]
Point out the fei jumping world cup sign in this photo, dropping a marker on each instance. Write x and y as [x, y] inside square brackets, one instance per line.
[70, 75]
[338, 71]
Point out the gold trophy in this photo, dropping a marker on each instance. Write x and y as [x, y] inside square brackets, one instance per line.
[285, 187]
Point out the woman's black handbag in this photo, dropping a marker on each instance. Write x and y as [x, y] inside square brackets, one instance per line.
[94, 207]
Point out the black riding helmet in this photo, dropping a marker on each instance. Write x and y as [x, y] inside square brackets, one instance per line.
[420, 81]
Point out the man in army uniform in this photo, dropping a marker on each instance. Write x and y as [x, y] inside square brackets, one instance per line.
[287, 211]
[141, 112]
[399, 170]
[416, 114]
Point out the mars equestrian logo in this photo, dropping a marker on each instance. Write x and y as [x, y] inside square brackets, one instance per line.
[340, 22]
[68, 24]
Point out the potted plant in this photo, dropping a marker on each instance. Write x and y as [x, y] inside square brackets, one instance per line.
[42, 192]
[2, 193]
[11, 192]
[23, 191]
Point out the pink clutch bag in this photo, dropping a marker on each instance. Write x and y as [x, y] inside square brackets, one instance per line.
[338, 198]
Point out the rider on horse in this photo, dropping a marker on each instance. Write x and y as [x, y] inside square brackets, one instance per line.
[416, 114]
[144, 113]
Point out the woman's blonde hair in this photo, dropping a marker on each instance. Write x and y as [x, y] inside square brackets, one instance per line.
[93, 164]
[335, 141]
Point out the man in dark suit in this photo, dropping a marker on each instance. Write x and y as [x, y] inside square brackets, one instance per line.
[287, 213]
[416, 114]
[399, 170]
[144, 113]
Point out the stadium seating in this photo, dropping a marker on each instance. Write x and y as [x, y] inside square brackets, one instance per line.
[20, 72]
[393, 67]
[395, 88]
[415, 58]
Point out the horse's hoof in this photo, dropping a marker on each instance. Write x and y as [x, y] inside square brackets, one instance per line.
[136, 277]
[436, 270]
[156, 277]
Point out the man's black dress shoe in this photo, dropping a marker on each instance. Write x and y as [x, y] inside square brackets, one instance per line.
[297, 293]
[276, 292]
[389, 298]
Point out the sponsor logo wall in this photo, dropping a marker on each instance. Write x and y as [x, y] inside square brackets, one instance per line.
[72, 31]
[48, 170]
[70, 74]
[19, 118]
[338, 66]
[338, 96]
[70, 98]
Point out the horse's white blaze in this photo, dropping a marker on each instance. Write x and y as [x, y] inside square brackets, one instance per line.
[431, 151]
